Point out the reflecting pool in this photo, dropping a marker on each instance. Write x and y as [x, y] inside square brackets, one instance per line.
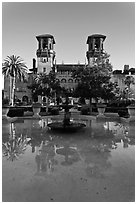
[96, 163]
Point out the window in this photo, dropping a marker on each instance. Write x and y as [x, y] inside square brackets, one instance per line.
[70, 81]
[63, 80]
[44, 69]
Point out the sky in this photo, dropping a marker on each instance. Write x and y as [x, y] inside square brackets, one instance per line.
[70, 23]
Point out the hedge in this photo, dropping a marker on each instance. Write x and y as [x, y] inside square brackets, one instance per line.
[16, 112]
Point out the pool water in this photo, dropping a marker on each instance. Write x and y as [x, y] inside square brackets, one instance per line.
[95, 164]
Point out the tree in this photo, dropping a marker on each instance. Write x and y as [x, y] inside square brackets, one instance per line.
[129, 80]
[44, 84]
[94, 82]
[35, 88]
[14, 68]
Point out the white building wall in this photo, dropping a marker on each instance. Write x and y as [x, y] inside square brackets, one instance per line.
[41, 64]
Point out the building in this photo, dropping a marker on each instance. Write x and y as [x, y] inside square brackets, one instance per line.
[46, 61]
[119, 77]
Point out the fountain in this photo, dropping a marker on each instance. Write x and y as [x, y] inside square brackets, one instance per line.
[66, 125]
[70, 154]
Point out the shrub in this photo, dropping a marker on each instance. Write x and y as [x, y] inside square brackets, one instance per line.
[123, 113]
[43, 111]
[85, 110]
[120, 103]
[30, 109]
[35, 99]
[94, 109]
[28, 113]
[111, 109]
[54, 111]
[81, 101]
[16, 112]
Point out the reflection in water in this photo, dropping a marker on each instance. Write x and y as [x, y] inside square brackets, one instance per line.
[96, 157]
[45, 157]
[121, 132]
[93, 147]
[15, 145]
[70, 154]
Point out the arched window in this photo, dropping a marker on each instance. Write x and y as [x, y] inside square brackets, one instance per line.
[63, 80]
[44, 99]
[44, 69]
[70, 81]
[50, 46]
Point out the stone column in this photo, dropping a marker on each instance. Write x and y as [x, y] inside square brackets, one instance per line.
[93, 44]
[101, 43]
[41, 43]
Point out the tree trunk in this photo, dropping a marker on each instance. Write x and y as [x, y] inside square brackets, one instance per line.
[13, 91]
[10, 90]
[90, 104]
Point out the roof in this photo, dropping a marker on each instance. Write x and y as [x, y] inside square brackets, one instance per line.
[95, 36]
[45, 36]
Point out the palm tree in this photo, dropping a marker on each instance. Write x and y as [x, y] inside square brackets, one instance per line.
[14, 67]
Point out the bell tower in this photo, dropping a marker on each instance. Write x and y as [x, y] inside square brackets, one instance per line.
[45, 53]
[95, 47]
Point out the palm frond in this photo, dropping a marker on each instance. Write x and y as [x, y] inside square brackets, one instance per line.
[14, 66]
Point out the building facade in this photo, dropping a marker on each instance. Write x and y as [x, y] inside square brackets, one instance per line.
[46, 61]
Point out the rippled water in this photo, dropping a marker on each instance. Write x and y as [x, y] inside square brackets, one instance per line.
[94, 164]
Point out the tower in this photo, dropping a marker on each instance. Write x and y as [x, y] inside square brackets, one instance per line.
[95, 47]
[45, 53]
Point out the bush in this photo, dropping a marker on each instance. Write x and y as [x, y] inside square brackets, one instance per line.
[123, 113]
[30, 109]
[28, 113]
[16, 112]
[111, 109]
[94, 109]
[54, 111]
[43, 111]
[121, 103]
[81, 101]
[35, 99]
[85, 110]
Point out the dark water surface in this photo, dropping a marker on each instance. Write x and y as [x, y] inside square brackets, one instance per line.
[94, 164]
